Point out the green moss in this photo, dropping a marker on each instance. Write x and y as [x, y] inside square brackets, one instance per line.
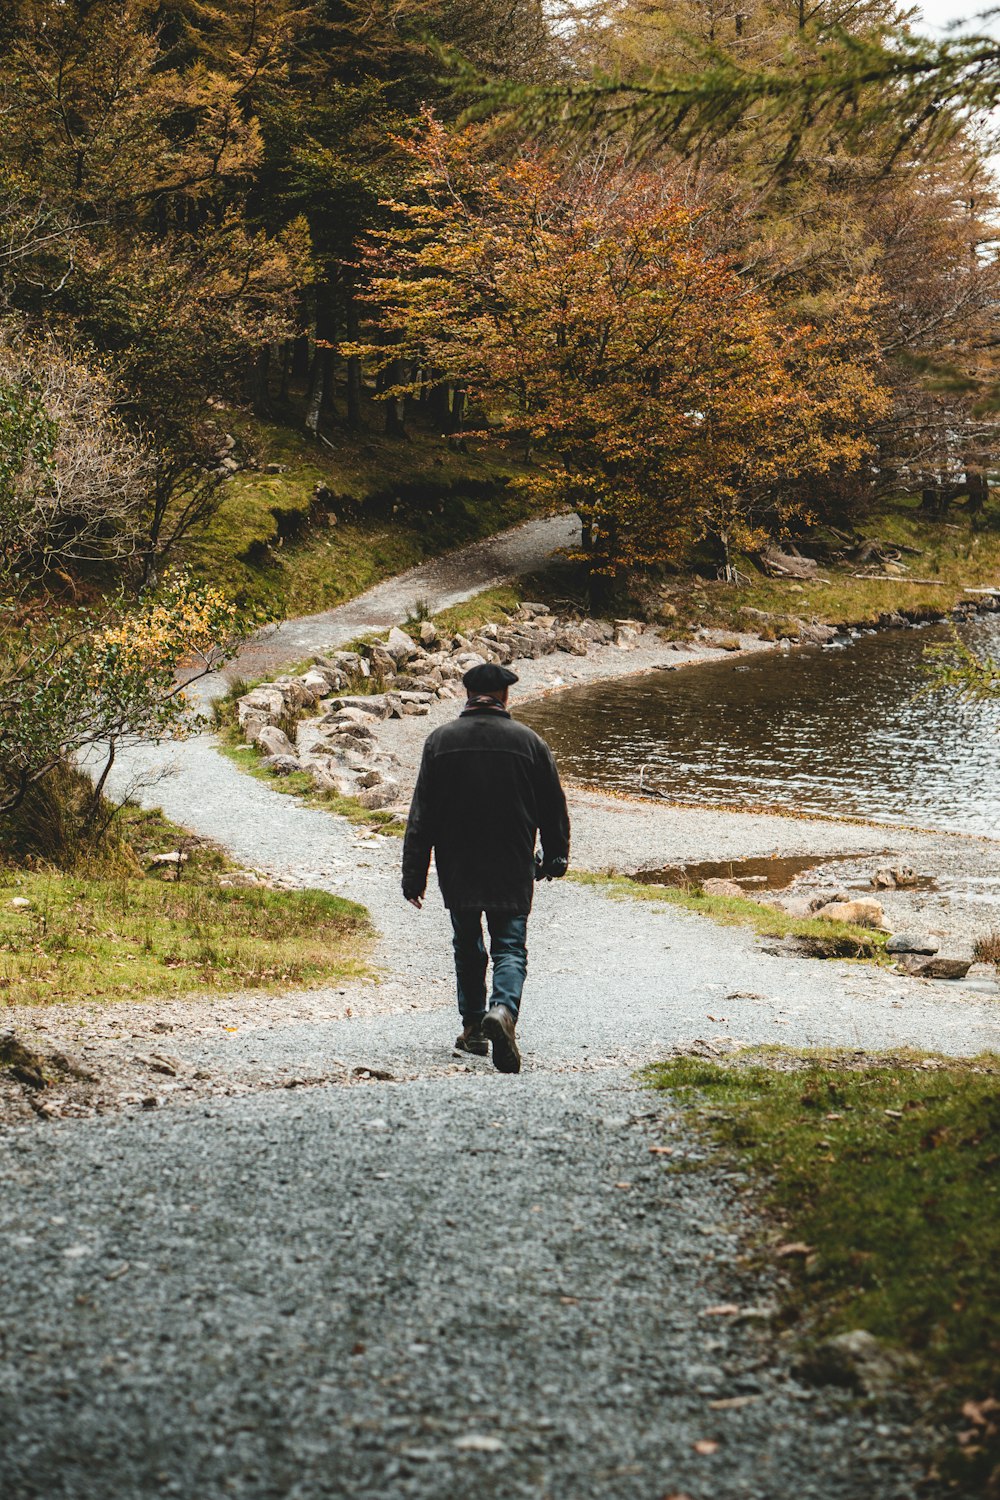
[889, 1168]
[824, 939]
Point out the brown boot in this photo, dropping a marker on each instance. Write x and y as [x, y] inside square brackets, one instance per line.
[498, 1024]
[473, 1040]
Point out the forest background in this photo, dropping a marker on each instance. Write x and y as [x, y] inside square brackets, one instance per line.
[720, 275]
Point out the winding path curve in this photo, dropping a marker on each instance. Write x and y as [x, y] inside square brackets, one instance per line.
[452, 1286]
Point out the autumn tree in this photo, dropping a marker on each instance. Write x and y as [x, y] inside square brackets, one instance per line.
[658, 393]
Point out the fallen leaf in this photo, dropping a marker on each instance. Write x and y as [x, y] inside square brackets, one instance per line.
[732, 1403]
[570, 1301]
[722, 1310]
[894, 1114]
[705, 1446]
[230, 1028]
[796, 1247]
[623, 1184]
[661, 1150]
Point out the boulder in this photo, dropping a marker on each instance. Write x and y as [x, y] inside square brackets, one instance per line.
[400, 646]
[263, 705]
[276, 742]
[722, 888]
[326, 780]
[935, 968]
[370, 778]
[528, 611]
[323, 680]
[374, 705]
[888, 878]
[865, 912]
[282, 765]
[815, 635]
[428, 634]
[415, 710]
[858, 1361]
[374, 797]
[381, 661]
[816, 903]
[571, 643]
[912, 942]
[627, 633]
[295, 694]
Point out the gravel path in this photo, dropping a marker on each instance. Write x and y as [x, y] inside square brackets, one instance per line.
[442, 582]
[437, 1291]
[449, 1286]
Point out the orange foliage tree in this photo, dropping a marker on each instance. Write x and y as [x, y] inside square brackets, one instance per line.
[653, 385]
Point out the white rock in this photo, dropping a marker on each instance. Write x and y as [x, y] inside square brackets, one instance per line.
[400, 646]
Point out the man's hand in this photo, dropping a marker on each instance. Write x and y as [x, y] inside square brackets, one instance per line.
[416, 901]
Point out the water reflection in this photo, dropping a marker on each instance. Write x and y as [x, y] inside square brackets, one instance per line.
[839, 731]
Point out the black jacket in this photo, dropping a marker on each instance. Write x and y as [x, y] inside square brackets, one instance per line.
[486, 786]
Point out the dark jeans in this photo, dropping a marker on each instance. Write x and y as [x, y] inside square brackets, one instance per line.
[508, 937]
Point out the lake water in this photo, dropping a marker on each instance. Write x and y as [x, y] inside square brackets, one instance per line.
[850, 731]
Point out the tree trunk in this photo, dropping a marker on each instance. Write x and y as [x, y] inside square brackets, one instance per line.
[395, 407]
[322, 365]
[439, 401]
[261, 382]
[456, 439]
[353, 366]
[978, 486]
[300, 358]
[287, 354]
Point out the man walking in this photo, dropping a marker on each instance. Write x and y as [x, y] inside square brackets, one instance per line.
[486, 786]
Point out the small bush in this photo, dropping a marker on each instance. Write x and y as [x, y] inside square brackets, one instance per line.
[986, 949]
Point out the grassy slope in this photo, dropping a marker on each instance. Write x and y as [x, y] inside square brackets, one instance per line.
[890, 1169]
[121, 935]
[953, 555]
[395, 503]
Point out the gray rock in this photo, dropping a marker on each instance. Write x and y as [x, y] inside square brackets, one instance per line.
[889, 878]
[294, 693]
[400, 646]
[858, 1361]
[816, 903]
[936, 968]
[572, 643]
[428, 634]
[912, 942]
[722, 888]
[282, 765]
[262, 705]
[276, 742]
[816, 635]
[374, 797]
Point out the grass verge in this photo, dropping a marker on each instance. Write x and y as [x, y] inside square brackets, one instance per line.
[142, 938]
[819, 939]
[889, 1167]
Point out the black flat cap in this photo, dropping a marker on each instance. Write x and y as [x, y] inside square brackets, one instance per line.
[488, 677]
